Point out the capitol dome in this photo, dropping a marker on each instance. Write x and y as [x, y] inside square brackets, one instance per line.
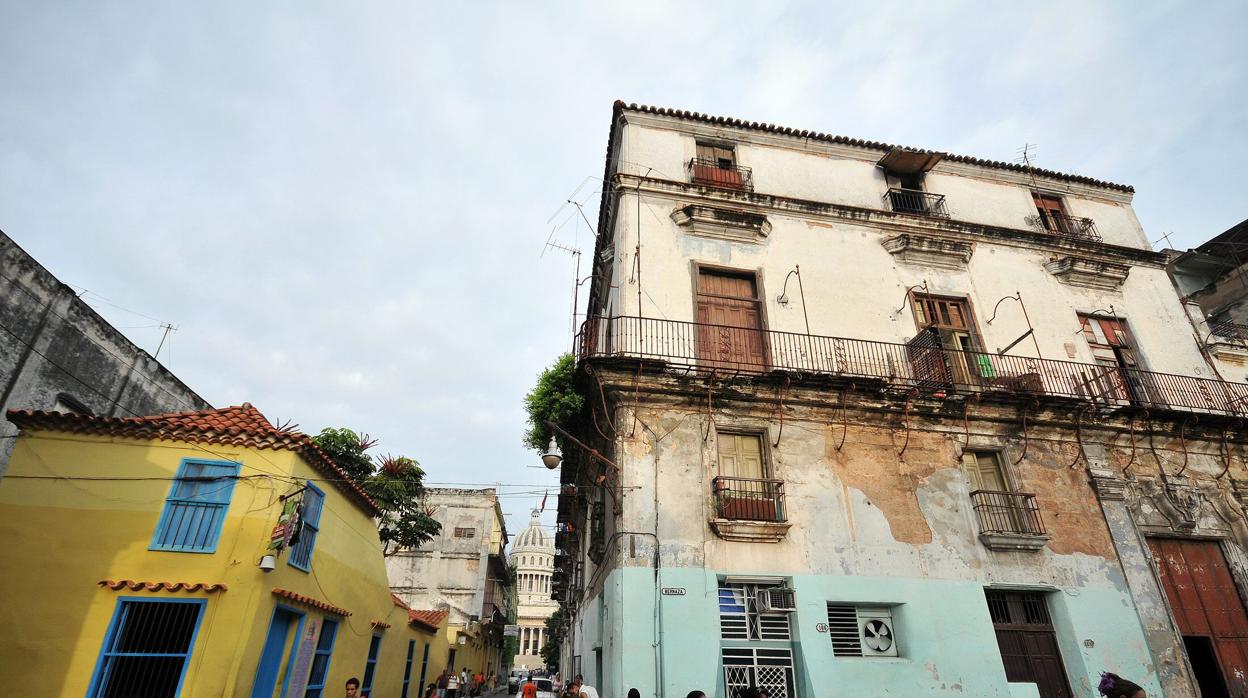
[534, 537]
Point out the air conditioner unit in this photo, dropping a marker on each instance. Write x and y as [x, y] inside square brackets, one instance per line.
[776, 600]
[875, 631]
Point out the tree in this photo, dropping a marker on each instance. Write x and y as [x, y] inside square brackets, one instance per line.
[396, 483]
[554, 398]
[554, 637]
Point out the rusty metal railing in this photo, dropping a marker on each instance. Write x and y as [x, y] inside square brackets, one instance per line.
[1069, 226]
[714, 173]
[749, 499]
[1229, 330]
[727, 350]
[1007, 512]
[915, 201]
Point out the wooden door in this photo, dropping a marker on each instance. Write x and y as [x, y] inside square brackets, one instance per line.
[951, 319]
[1051, 214]
[1028, 642]
[1113, 348]
[730, 322]
[1205, 603]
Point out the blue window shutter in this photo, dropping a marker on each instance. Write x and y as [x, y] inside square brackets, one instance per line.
[313, 504]
[320, 660]
[196, 507]
[370, 667]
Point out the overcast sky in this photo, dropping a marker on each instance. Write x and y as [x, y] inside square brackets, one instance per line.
[342, 207]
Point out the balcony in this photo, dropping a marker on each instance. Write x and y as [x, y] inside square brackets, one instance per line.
[1229, 330]
[917, 202]
[1009, 520]
[720, 173]
[922, 364]
[749, 509]
[1068, 226]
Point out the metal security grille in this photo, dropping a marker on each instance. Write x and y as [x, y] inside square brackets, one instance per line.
[843, 628]
[146, 649]
[739, 618]
[196, 507]
[767, 669]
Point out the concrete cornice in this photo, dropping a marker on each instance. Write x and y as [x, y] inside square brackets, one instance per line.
[888, 221]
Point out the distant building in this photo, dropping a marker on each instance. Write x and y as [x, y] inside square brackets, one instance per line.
[57, 353]
[141, 551]
[534, 557]
[462, 570]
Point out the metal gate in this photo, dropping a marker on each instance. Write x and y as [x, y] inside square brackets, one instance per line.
[770, 669]
[1205, 602]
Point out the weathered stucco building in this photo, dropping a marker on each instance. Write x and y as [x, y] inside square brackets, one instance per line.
[56, 353]
[462, 570]
[881, 421]
[533, 554]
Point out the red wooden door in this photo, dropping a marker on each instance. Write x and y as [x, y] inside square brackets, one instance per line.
[1205, 602]
[730, 322]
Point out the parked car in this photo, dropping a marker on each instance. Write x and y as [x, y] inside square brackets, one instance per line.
[545, 688]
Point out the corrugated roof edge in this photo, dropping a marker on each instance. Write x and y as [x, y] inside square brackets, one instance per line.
[621, 106]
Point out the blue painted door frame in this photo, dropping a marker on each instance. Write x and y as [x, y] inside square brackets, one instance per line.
[269, 670]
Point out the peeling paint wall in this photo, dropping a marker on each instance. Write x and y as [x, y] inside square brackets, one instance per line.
[877, 503]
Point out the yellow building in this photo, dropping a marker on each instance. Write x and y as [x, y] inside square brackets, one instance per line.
[139, 560]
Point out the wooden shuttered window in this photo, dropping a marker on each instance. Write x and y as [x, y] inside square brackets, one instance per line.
[985, 471]
[741, 455]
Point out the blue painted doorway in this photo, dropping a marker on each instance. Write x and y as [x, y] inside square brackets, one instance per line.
[278, 646]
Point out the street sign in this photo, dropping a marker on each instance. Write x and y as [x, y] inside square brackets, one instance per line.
[511, 631]
[673, 591]
[821, 627]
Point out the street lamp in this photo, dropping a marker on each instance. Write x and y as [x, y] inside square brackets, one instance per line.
[552, 457]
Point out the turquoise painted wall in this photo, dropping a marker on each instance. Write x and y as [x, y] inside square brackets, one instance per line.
[944, 632]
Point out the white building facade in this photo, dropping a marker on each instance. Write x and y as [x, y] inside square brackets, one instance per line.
[887, 421]
[533, 555]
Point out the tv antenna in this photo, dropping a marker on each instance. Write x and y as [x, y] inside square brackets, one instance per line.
[576, 280]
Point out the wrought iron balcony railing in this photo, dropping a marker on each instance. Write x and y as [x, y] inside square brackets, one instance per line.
[1069, 226]
[749, 499]
[1007, 513]
[1229, 330]
[915, 201]
[728, 350]
[715, 173]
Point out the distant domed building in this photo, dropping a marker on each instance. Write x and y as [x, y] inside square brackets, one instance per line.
[534, 557]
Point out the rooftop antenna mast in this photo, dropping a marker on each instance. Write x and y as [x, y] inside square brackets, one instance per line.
[576, 282]
[168, 328]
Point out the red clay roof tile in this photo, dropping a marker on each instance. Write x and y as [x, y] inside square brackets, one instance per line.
[309, 601]
[241, 425]
[430, 619]
[135, 585]
[620, 106]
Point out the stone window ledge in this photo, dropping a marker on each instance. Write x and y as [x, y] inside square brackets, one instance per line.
[750, 531]
[1014, 541]
[1077, 271]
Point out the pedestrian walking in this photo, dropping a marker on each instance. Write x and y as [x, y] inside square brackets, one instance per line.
[443, 681]
[452, 685]
[529, 689]
[1114, 686]
[352, 688]
[431, 691]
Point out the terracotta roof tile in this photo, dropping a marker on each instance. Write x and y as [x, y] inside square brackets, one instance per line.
[242, 425]
[379, 624]
[309, 601]
[135, 585]
[621, 106]
[430, 619]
